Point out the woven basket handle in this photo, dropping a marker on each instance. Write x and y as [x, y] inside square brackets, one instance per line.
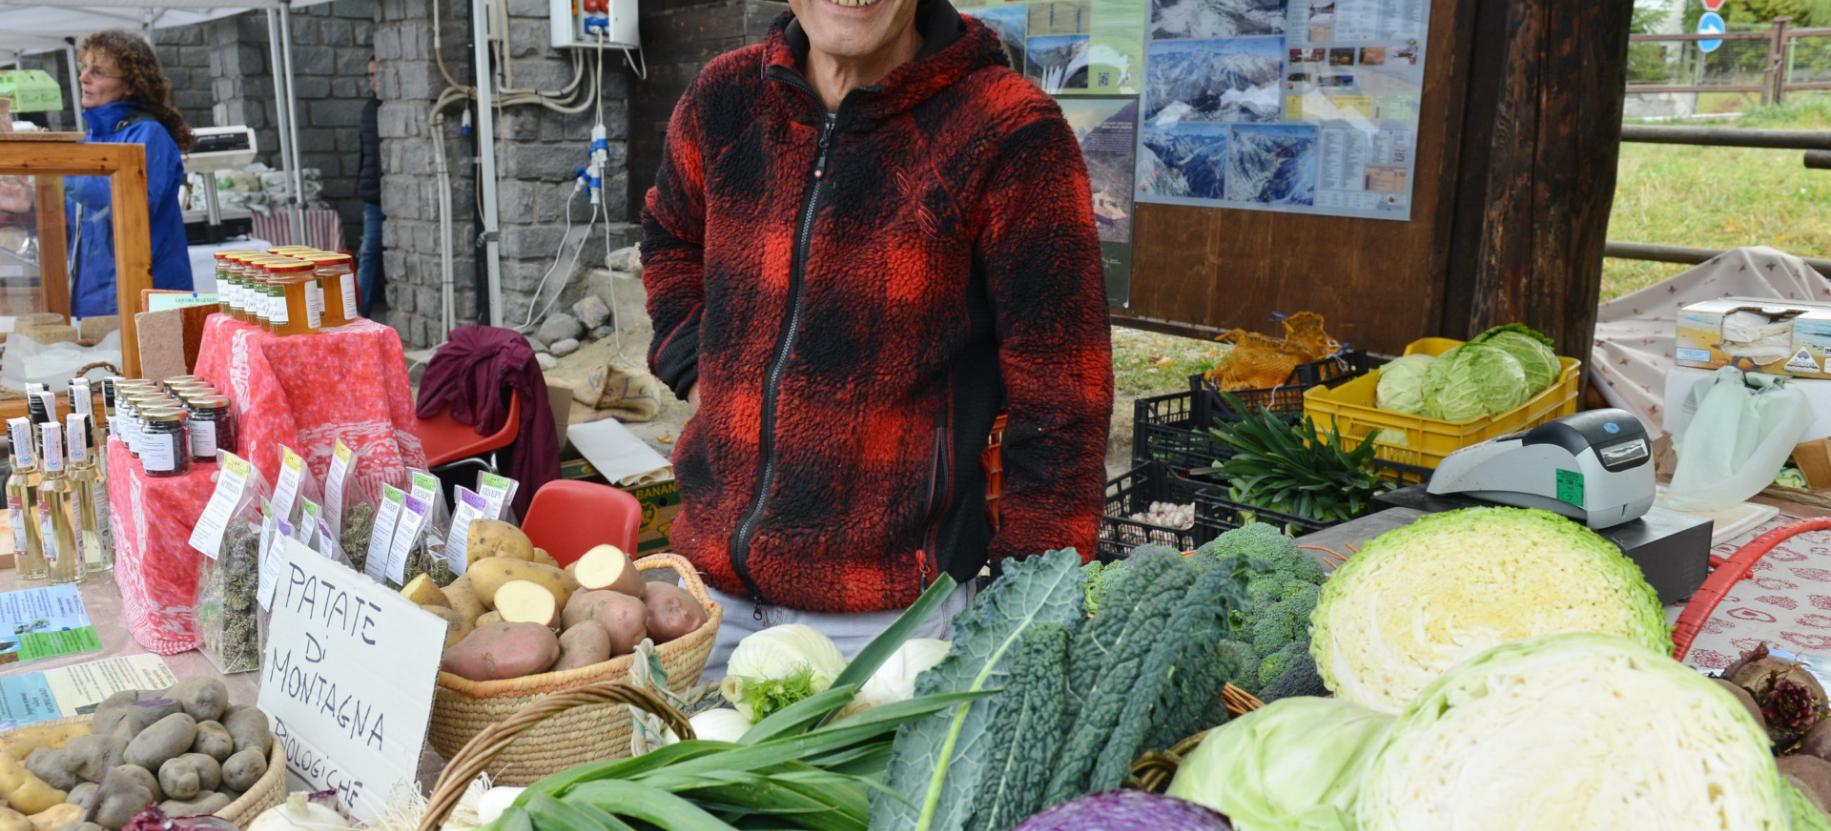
[477, 753]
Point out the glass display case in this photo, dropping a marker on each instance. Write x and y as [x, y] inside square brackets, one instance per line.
[35, 243]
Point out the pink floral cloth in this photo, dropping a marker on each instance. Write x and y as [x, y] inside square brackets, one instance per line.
[305, 392]
[1785, 602]
[308, 391]
[155, 566]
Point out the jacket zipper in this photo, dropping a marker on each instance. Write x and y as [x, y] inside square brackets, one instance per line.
[940, 491]
[772, 379]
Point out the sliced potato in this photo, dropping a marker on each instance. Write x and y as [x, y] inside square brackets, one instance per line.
[422, 591]
[524, 601]
[607, 567]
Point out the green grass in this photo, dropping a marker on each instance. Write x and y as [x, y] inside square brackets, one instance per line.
[1145, 363]
[1720, 197]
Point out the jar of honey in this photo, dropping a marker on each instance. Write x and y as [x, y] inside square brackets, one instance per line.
[290, 290]
[223, 268]
[229, 282]
[336, 288]
[254, 289]
[270, 297]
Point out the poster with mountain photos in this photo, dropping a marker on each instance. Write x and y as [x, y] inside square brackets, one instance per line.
[1300, 106]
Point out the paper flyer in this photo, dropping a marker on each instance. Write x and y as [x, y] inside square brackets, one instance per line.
[71, 691]
[1107, 131]
[44, 623]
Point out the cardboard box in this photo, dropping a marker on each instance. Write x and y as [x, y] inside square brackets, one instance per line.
[1756, 335]
[1813, 458]
[660, 502]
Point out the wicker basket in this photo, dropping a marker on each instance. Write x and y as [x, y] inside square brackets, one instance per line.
[266, 793]
[481, 752]
[1154, 770]
[463, 709]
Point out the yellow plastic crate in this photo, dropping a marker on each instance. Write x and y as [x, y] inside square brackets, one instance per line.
[1415, 440]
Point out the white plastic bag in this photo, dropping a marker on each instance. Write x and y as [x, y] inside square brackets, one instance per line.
[1734, 431]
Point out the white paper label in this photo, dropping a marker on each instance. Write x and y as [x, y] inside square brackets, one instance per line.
[498, 492]
[412, 521]
[276, 307]
[350, 308]
[314, 304]
[308, 520]
[98, 493]
[231, 480]
[203, 439]
[272, 531]
[381, 537]
[341, 456]
[471, 506]
[159, 452]
[425, 486]
[327, 543]
[47, 536]
[76, 437]
[17, 514]
[286, 491]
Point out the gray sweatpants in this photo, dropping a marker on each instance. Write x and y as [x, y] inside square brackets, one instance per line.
[849, 632]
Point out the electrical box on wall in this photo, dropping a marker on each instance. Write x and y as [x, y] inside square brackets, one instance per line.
[591, 23]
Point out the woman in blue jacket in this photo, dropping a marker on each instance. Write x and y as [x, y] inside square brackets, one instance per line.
[125, 98]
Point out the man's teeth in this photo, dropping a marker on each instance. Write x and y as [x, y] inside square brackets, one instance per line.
[855, 3]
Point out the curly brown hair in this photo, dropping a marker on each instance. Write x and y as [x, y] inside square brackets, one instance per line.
[146, 82]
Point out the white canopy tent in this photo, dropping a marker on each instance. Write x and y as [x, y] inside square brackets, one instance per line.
[27, 28]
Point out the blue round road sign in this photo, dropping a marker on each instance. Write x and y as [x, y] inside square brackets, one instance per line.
[1710, 24]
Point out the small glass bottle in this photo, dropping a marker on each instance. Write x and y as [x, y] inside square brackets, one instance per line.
[164, 447]
[291, 290]
[56, 523]
[91, 498]
[337, 285]
[22, 502]
[212, 426]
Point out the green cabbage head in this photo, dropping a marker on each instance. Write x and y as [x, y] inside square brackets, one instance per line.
[1574, 731]
[1401, 386]
[1532, 350]
[1420, 599]
[1474, 380]
[1293, 765]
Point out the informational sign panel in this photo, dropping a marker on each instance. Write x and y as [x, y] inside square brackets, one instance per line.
[1711, 23]
[348, 680]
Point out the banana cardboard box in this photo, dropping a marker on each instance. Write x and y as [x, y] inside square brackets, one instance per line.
[1778, 337]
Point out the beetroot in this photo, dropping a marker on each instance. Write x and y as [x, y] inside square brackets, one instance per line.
[1791, 701]
[1127, 811]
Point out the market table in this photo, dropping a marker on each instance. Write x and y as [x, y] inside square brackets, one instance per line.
[155, 565]
[308, 391]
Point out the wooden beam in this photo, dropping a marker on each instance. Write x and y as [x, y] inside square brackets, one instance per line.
[53, 245]
[1544, 127]
[133, 257]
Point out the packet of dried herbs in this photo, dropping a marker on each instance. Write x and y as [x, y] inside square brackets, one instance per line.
[229, 624]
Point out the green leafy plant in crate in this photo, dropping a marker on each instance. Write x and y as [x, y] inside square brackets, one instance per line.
[1289, 467]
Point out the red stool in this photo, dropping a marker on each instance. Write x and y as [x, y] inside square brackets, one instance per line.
[569, 518]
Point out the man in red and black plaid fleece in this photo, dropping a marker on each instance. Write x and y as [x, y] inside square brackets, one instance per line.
[867, 238]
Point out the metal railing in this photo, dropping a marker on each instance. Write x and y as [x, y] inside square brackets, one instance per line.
[1777, 68]
[1816, 144]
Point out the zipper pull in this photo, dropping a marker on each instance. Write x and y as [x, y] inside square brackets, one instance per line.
[922, 568]
[756, 611]
[826, 141]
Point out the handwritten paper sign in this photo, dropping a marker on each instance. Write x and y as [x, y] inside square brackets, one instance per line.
[348, 680]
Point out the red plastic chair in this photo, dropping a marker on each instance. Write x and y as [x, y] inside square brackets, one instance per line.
[447, 441]
[569, 518]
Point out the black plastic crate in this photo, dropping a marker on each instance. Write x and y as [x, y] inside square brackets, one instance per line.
[1286, 399]
[1165, 429]
[1231, 514]
[1134, 491]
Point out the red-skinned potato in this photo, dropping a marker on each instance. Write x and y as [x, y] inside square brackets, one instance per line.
[672, 612]
[503, 650]
[622, 617]
[606, 567]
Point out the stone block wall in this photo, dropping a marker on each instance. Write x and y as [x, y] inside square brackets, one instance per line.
[537, 152]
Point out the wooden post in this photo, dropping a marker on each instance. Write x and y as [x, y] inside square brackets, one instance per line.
[1776, 61]
[1538, 164]
[53, 272]
[133, 256]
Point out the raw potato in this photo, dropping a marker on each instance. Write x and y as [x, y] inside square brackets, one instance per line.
[524, 601]
[51, 765]
[56, 817]
[11, 820]
[82, 794]
[21, 742]
[581, 646]
[189, 775]
[672, 612]
[424, 592]
[204, 804]
[541, 556]
[607, 567]
[90, 757]
[495, 538]
[170, 737]
[463, 599]
[131, 719]
[143, 777]
[120, 798]
[248, 725]
[203, 699]
[213, 740]
[488, 618]
[244, 769]
[23, 790]
[622, 617]
[503, 650]
[488, 575]
[456, 627]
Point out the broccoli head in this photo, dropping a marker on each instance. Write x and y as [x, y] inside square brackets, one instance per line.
[1300, 678]
[1280, 661]
[1283, 622]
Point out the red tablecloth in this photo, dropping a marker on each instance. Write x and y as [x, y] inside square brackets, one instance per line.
[307, 391]
[155, 565]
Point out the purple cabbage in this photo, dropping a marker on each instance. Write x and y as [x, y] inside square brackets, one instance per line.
[1126, 810]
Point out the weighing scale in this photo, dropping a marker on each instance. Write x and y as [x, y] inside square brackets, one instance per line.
[1595, 467]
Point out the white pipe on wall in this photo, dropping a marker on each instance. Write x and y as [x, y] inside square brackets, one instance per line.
[277, 66]
[76, 90]
[290, 102]
[486, 155]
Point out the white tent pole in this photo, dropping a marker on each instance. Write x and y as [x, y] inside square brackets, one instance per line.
[292, 127]
[278, 67]
[486, 154]
[76, 88]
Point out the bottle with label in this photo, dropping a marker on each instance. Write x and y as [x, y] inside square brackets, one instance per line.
[56, 518]
[22, 501]
[91, 498]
